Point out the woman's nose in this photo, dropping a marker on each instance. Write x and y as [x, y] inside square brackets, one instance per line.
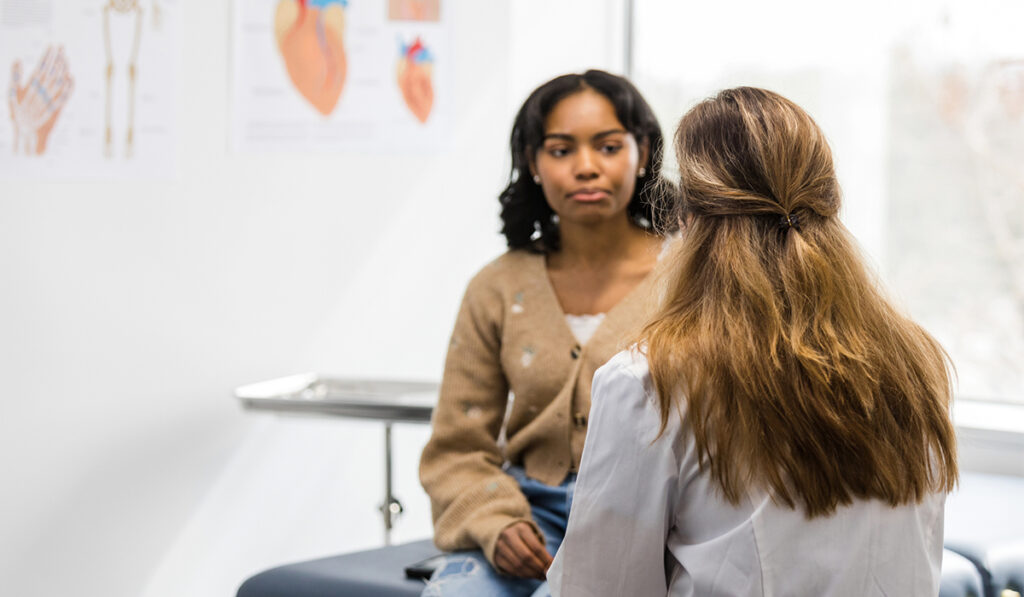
[586, 164]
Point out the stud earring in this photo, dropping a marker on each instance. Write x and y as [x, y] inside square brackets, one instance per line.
[642, 172]
[536, 179]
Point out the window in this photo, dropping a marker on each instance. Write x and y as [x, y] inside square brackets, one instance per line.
[923, 104]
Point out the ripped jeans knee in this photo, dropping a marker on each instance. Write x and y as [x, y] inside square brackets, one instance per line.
[468, 573]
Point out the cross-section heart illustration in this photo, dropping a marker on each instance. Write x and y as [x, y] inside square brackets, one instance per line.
[310, 36]
[415, 70]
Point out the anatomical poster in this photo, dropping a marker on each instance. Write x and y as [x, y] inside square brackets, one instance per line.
[341, 75]
[90, 88]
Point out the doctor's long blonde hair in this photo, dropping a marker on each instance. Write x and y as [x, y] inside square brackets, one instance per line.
[795, 372]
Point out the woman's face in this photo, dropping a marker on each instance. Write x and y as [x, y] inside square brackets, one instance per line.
[587, 161]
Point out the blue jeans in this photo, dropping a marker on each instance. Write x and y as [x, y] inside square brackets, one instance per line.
[469, 574]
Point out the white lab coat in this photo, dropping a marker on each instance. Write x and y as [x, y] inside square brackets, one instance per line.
[646, 521]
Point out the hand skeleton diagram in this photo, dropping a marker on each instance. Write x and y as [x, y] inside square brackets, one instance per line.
[35, 106]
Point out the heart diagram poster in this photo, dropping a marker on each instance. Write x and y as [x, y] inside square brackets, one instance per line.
[341, 75]
[90, 88]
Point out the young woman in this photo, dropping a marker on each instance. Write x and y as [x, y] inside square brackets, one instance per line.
[536, 323]
[781, 429]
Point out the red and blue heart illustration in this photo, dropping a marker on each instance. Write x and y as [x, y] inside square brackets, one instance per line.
[415, 72]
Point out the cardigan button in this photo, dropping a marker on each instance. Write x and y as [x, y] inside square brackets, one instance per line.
[575, 352]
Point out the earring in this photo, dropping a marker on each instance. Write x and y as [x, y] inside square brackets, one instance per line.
[642, 172]
[536, 179]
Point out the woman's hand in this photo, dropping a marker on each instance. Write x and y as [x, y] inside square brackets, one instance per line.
[521, 552]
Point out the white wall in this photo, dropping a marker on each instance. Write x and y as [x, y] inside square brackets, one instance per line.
[131, 310]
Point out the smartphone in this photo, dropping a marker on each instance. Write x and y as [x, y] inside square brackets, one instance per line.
[424, 568]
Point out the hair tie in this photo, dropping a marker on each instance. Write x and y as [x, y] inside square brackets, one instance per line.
[788, 221]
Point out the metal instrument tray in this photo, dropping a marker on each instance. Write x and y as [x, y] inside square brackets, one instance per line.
[311, 393]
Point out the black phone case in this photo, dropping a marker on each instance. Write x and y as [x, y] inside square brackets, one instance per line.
[424, 568]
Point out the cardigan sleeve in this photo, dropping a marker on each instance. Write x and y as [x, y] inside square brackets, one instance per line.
[472, 498]
[623, 502]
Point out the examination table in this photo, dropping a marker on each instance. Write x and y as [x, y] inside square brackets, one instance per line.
[984, 556]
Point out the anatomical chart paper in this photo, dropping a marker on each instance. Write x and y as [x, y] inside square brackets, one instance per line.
[341, 75]
[90, 89]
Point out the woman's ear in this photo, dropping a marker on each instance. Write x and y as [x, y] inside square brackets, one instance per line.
[643, 153]
[531, 161]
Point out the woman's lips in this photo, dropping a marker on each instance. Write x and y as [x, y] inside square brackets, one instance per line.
[588, 195]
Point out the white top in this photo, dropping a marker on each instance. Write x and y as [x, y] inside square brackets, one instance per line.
[584, 326]
[646, 521]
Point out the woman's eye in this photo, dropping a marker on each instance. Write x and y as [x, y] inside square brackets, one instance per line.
[558, 151]
[611, 148]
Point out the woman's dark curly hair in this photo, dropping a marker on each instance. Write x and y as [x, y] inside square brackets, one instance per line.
[527, 219]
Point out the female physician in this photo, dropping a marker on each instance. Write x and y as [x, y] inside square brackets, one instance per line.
[782, 428]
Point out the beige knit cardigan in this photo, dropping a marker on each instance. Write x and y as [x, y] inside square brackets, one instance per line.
[511, 335]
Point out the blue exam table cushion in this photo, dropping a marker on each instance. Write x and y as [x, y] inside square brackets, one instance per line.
[373, 573]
